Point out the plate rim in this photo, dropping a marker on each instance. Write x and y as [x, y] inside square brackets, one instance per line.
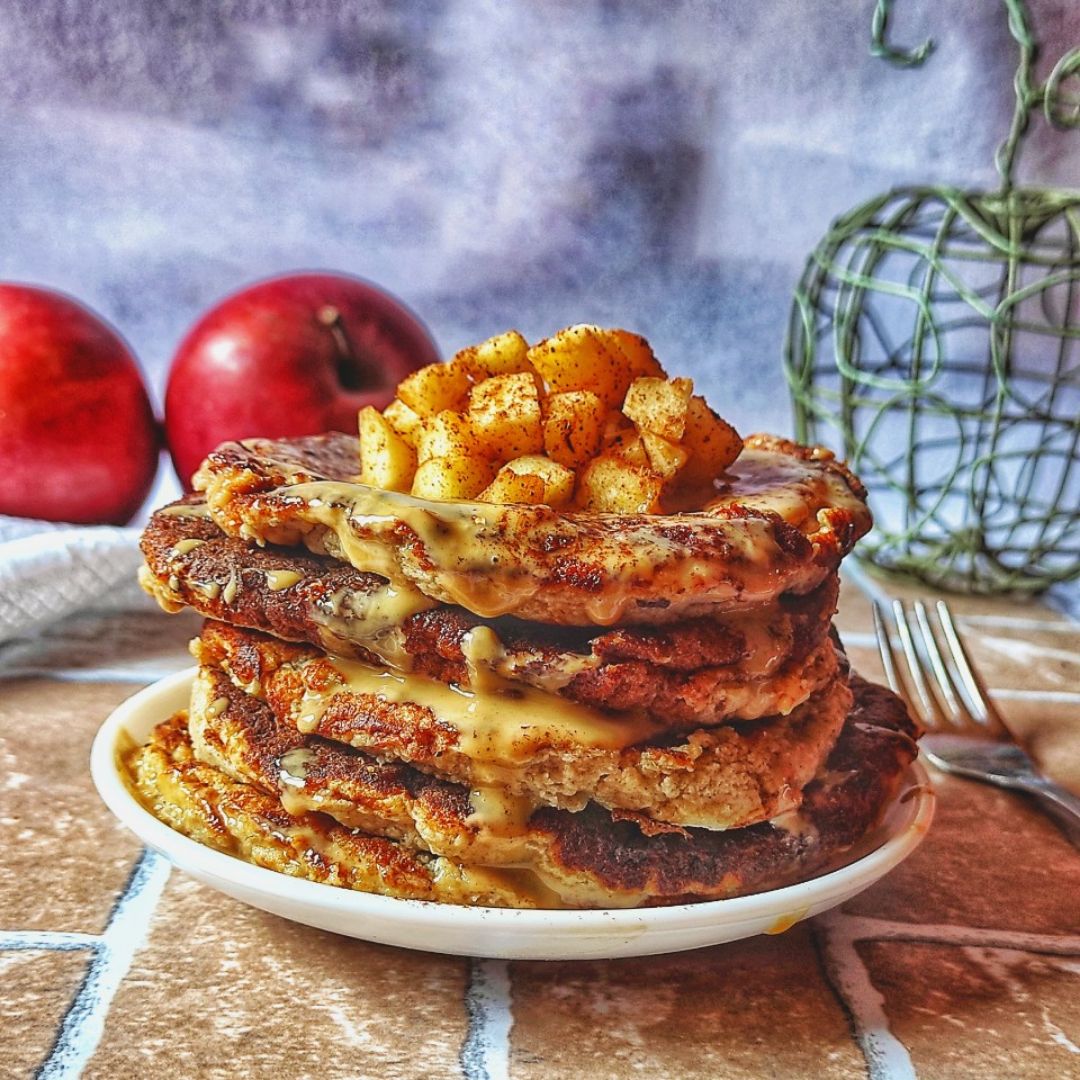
[114, 792]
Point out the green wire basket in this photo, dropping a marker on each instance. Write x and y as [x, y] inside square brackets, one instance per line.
[935, 342]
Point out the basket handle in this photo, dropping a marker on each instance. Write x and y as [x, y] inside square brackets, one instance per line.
[1060, 104]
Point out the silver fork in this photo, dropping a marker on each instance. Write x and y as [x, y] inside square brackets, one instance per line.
[965, 733]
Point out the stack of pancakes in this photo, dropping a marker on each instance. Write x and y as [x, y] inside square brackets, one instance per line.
[514, 705]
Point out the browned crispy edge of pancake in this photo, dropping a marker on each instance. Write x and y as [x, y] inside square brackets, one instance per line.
[678, 671]
[723, 776]
[200, 576]
[236, 732]
[616, 857]
[861, 776]
[570, 558]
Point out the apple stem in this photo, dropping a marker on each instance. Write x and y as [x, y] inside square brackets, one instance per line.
[347, 363]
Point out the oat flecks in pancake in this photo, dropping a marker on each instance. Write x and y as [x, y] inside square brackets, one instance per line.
[237, 733]
[722, 777]
[782, 524]
[755, 663]
[587, 858]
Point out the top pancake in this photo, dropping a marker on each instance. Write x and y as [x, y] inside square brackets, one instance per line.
[754, 662]
[781, 521]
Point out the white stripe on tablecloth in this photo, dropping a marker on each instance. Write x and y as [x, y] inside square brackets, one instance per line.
[1070, 696]
[137, 677]
[84, 1023]
[485, 1054]
[886, 1056]
[857, 639]
[863, 640]
[867, 928]
[47, 940]
[875, 590]
[858, 576]
[1067, 601]
[836, 934]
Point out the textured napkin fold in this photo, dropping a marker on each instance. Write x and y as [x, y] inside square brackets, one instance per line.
[48, 571]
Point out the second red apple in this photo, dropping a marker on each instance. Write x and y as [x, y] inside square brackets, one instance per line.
[295, 355]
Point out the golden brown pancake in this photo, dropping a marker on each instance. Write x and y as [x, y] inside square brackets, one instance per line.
[693, 672]
[552, 751]
[205, 804]
[780, 522]
[585, 859]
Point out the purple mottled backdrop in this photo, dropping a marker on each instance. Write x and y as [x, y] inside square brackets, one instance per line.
[660, 165]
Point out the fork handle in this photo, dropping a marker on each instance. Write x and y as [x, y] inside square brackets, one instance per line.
[1063, 806]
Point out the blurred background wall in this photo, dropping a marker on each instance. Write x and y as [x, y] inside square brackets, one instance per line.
[663, 165]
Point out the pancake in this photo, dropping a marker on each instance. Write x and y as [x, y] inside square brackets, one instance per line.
[693, 672]
[535, 745]
[205, 804]
[781, 520]
[586, 859]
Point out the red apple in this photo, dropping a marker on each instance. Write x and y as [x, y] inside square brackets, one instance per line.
[295, 355]
[78, 439]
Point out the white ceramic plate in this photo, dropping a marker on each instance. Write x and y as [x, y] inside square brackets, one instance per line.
[495, 932]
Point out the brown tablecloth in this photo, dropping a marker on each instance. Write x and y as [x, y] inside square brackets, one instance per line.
[963, 962]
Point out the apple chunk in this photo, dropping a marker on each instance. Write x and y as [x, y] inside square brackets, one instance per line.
[610, 484]
[712, 443]
[573, 425]
[387, 461]
[504, 354]
[511, 487]
[557, 481]
[451, 479]
[434, 389]
[659, 406]
[505, 412]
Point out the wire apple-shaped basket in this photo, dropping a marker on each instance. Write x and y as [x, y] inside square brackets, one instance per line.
[935, 341]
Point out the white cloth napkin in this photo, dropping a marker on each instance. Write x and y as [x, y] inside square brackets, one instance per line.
[49, 571]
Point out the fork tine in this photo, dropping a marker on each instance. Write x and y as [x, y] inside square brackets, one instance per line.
[888, 661]
[981, 706]
[931, 714]
[943, 685]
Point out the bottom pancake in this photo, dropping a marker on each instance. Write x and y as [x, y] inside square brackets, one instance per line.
[440, 841]
[205, 804]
